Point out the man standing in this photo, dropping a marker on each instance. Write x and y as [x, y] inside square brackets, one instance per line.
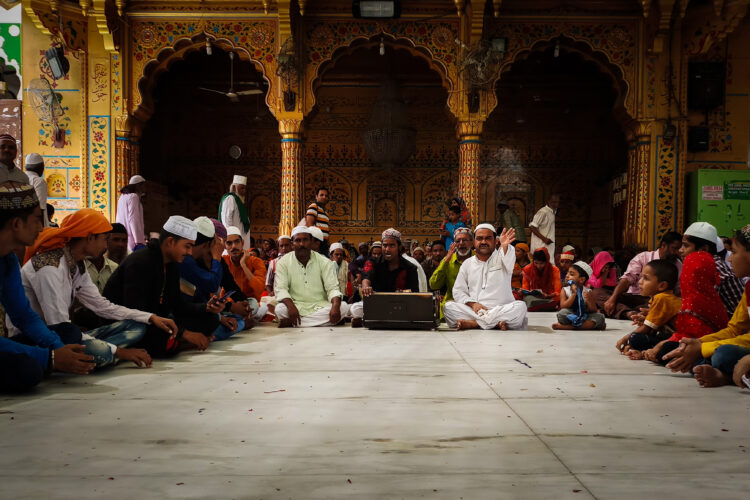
[35, 170]
[306, 287]
[8, 153]
[130, 212]
[445, 275]
[232, 210]
[149, 280]
[317, 216]
[392, 273]
[431, 263]
[510, 219]
[543, 226]
[285, 246]
[482, 293]
[22, 366]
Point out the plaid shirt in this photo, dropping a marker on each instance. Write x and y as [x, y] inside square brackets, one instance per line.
[730, 289]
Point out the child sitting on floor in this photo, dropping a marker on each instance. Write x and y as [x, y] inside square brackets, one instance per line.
[578, 309]
[658, 280]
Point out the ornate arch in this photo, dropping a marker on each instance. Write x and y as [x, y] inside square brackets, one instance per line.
[432, 41]
[612, 47]
[158, 44]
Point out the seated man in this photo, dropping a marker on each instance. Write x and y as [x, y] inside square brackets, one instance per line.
[341, 266]
[22, 366]
[392, 273]
[247, 270]
[54, 275]
[101, 267]
[444, 277]
[433, 258]
[285, 246]
[202, 276]
[149, 280]
[482, 295]
[306, 287]
[626, 298]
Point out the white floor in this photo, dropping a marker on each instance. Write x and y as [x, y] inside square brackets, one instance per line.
[341, 413]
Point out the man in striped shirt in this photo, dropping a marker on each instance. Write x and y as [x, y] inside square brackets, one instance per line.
[318, 217]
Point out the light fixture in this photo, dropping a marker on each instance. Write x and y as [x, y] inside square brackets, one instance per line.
[382, 47]
[209, 48]
[376, 9]
[499, 44]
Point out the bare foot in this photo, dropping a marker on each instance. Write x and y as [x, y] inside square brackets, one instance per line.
[466, 324]
[636, 355]
[708, 376]
[285, 323]
[502, 326]
[558, 326]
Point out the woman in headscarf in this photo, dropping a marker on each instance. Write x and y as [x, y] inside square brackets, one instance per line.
[543, 278]
[603, 267]
[522, 260]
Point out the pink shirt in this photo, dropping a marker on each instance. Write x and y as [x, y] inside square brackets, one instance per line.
[635, 268]
[130, 215]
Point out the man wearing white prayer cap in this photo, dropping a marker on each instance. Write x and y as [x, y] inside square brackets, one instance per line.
[130, 211]
[340, 266]
[482, 294]
[232, 210]
[149, 280]
[306, 287]
[35, 170]
[248, 271]
[317, 239]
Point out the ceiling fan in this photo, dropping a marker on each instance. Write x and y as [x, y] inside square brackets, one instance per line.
[231, 94]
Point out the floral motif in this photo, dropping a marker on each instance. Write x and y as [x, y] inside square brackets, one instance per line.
[99, 162]
[666, 181]
[443, 37]
[75, 183]
[57, 187]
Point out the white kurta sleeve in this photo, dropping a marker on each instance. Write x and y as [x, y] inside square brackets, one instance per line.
[229, 213]
[461, 286]
[88, 294]
[50, 288]
[330, 279]
[540, 219]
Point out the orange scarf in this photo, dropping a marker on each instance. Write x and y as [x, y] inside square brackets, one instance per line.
[80, 224]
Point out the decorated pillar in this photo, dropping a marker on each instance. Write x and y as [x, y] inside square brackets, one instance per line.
[291, 174]
[469, 149]
[639, 203]
[127, 151]
[631, 230]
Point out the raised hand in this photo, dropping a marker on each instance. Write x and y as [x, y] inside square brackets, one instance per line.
[507, 236]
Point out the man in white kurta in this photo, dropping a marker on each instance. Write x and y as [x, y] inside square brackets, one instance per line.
[35, 171]
[482, 294]
[306, 287]
[130, 212]
[543, 226]
[232, 210]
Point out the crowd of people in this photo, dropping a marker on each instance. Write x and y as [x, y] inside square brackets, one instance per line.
[90, 293]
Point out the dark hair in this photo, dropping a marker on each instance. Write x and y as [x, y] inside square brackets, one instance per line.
[455, 210]
[438, 242]
[129, 189]
[202, 238]
[540, 256]
[118, 228]
[581, 271]
[321, 188]
[252, 242]
[740, 238]
[670, 237]
[699, 242]
[164, 234]
[37, 168]
[8, 215]
[665, 270]
[50, 210]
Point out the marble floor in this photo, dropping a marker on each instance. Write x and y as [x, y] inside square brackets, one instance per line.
[331, 413]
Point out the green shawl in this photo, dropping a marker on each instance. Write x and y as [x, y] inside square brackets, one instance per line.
[241, 207]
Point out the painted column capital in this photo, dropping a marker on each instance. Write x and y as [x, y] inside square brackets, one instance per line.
[291, 129]
[469, 131]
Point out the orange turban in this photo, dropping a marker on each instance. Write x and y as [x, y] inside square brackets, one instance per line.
[523, 246]
[80, 224]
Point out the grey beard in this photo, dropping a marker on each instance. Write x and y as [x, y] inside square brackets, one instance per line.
[463, 254]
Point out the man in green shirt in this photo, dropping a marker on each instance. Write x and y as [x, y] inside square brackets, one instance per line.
[445, 274]
[306, 286]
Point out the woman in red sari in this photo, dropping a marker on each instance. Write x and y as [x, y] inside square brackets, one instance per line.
[543, 276]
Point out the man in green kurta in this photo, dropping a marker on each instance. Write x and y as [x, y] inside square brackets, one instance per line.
[445, 274]
[306, 286]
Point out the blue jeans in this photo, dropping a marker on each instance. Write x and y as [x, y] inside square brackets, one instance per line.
[122, 334]
[223, 333]
[726, 356]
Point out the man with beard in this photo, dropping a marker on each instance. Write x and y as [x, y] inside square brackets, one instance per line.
[130, 212]
[306, 287]
[232, 210]
[623, 302]
[392, 273]
[317, 216]
[482, 295]
[341, 267]
[285, 246]
[445, 274]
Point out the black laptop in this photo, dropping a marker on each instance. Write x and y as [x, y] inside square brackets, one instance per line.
[402, 311]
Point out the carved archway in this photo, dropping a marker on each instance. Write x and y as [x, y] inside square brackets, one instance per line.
[181, 49]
